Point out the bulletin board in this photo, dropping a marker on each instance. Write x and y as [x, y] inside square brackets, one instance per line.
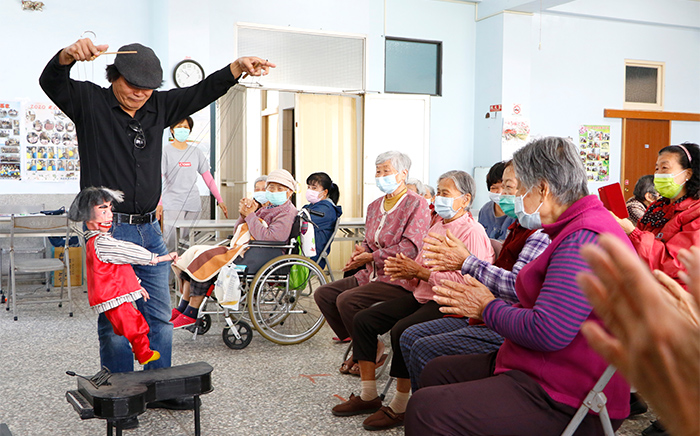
[38, 142]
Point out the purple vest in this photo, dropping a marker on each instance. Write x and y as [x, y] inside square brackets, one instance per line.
[567, 374]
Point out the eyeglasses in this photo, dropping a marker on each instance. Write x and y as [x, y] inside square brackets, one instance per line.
[139, 138]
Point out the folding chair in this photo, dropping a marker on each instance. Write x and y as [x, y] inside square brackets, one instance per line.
[595, 401]
[7, 211]
[32, 227]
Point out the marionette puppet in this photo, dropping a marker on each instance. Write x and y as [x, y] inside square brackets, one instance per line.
[111, 281]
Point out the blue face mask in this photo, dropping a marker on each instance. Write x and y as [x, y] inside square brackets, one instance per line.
[444, 207]
[530, 221]
[260, 197]
[387, 184]
[276, 198]
[495, 197]
[181, 134]
[507, 204]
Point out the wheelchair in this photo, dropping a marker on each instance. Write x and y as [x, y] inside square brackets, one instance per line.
[277, 300]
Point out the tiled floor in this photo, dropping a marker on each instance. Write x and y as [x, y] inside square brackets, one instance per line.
[264, 389]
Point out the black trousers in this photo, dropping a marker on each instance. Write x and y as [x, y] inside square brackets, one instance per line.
[396, 315]
[459, 395]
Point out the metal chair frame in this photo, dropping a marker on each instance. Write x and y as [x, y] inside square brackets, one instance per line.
[36, 226]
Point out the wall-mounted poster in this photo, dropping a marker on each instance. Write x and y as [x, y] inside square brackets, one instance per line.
[594, 146]
[10, 152]
[50, 144]
[516, 133]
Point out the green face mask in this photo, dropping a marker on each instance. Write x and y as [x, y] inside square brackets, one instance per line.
[666, 186]
[507, 204]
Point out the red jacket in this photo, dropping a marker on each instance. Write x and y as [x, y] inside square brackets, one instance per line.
[108, 281]
[659, 246]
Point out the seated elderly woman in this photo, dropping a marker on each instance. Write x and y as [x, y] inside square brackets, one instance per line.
[259, 193]
[424, 342]
[198, 267]
[545, 368]
[395, 223]
[322, 195]
[644, 195]
[675, 216]
[455, 193]
[491, 216]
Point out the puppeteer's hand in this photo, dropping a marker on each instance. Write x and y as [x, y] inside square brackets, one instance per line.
[159, 212]
[81, 50]
[251, 66]
[145, 295]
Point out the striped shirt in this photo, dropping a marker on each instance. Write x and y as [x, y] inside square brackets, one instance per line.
[501, 282]
[110, 250]
[556, 317]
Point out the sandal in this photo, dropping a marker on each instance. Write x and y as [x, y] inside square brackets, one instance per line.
[347, 366]
[355, 369]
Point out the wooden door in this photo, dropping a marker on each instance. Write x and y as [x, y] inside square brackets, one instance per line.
[641, 142]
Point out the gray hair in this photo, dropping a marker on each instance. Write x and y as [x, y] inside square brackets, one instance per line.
[262, 178]
[84, 203]
[398, 160]
[463, 182]
[420, 187]
[556, 161]
[430, 189]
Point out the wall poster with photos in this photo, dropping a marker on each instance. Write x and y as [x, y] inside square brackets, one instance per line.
[594, 146]
[10, 152]
[50, 144]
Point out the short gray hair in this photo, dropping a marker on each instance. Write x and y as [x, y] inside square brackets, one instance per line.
[420, 187]
[262, 178]
[398, 160]
[430, 190]
[463, 182]
[556, 161]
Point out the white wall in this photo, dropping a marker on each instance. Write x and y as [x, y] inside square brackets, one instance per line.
[205, 31]
[580, 71]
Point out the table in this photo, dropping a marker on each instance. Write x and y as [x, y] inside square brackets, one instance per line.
[201, 231]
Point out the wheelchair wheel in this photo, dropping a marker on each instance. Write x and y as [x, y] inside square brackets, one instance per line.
[281, 299]
[244, 331]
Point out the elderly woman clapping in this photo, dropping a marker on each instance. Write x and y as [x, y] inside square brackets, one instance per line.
[543, 371]
[396, 223]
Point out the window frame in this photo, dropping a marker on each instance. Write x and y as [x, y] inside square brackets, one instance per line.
[660, 83]
[438, 72]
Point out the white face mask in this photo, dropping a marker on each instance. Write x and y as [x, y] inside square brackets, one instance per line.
[532, 220]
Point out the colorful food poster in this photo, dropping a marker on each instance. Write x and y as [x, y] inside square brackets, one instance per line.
[594, 146]
[50, 144]
[516, 133]
[10, 152]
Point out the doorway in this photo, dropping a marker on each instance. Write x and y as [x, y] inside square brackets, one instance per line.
[641, 142]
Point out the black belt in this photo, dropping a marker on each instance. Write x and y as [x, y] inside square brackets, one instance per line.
[125, 218]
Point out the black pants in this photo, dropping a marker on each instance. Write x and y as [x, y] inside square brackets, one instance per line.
[459, 395]
[396, 315]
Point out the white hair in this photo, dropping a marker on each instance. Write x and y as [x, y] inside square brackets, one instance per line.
[398, 160]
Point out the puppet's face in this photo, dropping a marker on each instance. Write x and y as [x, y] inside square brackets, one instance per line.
[101, 217]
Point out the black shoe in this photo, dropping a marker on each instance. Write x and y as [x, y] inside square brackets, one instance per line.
[637, 405]
[129, 423]
[176, 404]
[655, 429]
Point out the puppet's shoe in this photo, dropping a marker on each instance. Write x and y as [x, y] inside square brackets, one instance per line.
[154, 356]
[183, 321]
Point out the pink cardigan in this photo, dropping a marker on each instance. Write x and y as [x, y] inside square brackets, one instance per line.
[387, 233]
[467, 230]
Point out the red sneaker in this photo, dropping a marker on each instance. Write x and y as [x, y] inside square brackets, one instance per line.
[174, 315]
[183, 321]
